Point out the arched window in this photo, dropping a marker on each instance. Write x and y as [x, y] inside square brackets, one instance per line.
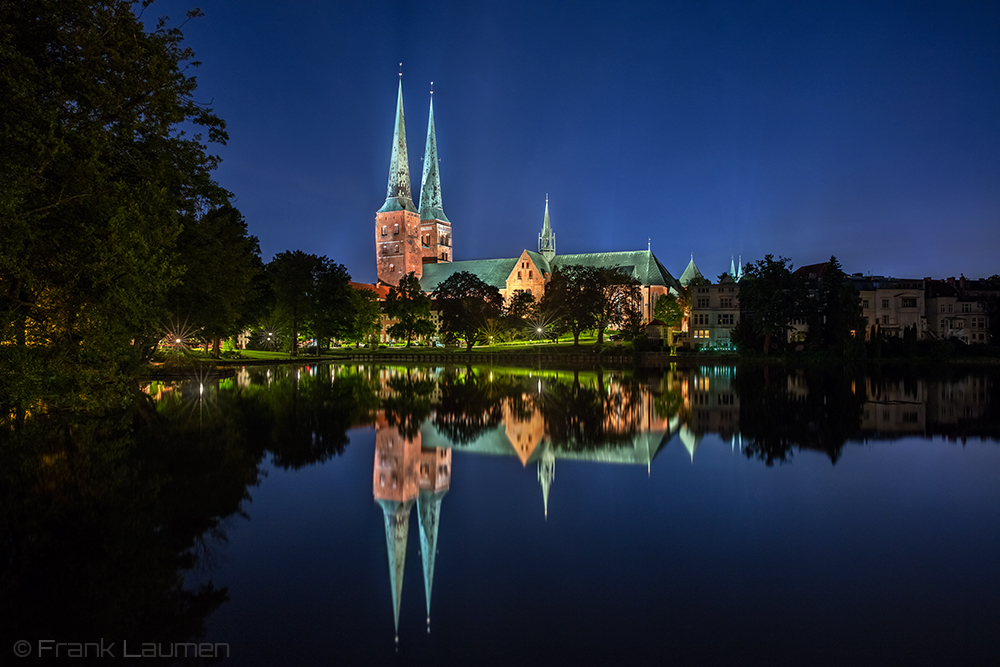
[392, 268]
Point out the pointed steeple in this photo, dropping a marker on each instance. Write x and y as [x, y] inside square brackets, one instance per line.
[397, 528]
[732, 267]
[429, 510]
[431, 207]
[547, 239]
[739, 270]
[397, 196]
[690, 273]
[546, 474]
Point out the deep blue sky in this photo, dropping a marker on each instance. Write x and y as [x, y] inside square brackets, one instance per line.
[868, 130]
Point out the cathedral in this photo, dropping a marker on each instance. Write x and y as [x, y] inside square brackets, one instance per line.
[418, 238]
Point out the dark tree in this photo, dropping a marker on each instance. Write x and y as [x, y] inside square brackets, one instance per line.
[841, 319]
[293, 280]
[411, 308]
[221, 261]
[97, 174]
[574, 296]
[332, 308]
[772, 297]
[365, 315]
[620, 304]
[467, 304]
[520, 306]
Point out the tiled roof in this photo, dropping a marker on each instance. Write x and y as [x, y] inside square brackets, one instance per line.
[381, 290]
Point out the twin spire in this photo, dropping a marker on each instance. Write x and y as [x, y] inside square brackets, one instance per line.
[398, 195]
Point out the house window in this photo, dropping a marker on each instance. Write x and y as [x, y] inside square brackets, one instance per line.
[703, 302]
[726, 318]
[909, 302]
[392, 268]
[966, 307]
[885, 303]
[951, 308]
[885, 319]
[727, 302]
[518, 275]
[864, 303]
[530, 276]
[395, 248]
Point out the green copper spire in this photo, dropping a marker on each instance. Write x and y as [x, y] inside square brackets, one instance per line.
[431, 207]
[690, 273]
[547, 240]
[397, 196]
[397, 526]
[546, 473]
[429, 510]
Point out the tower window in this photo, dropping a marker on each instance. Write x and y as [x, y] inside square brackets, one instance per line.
[383, 230]
[392, 268]
[395, 248]
[395, 228]
[518, 275]
[529, 275]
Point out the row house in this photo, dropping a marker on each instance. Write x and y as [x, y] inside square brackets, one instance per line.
[961, 309]
[892, 303]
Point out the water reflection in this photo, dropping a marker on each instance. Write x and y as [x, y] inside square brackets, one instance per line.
[108, 511]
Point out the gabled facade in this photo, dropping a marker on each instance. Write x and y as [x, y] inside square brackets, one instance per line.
[715, 310]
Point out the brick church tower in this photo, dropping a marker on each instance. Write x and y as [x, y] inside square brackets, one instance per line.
[435, 228]
[406, 239]
[397, 223]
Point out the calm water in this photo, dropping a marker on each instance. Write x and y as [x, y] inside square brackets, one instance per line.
[314, 515]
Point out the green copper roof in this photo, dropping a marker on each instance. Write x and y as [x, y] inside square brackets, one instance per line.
[431, 207]
[491, 271]
[397, 196]
[547, 240]
[540, 261]
[641, 263]
[690, 273]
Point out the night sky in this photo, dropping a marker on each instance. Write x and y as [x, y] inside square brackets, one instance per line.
[867, 130]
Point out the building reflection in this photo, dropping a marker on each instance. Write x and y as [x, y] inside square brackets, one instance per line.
[540, 418]
[406, 474]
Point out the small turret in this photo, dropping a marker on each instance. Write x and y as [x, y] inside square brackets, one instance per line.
[547, 239]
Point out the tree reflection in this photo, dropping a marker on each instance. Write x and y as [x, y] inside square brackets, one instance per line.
[103, 511]
[469, 404]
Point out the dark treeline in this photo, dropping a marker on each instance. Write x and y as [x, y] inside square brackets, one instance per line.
[102, 514]
[117, 241]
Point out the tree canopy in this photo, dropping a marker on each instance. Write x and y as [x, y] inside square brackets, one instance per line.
[97, 177]
[772, 296]
[574, 298]
[411, 308]
[466, 305]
